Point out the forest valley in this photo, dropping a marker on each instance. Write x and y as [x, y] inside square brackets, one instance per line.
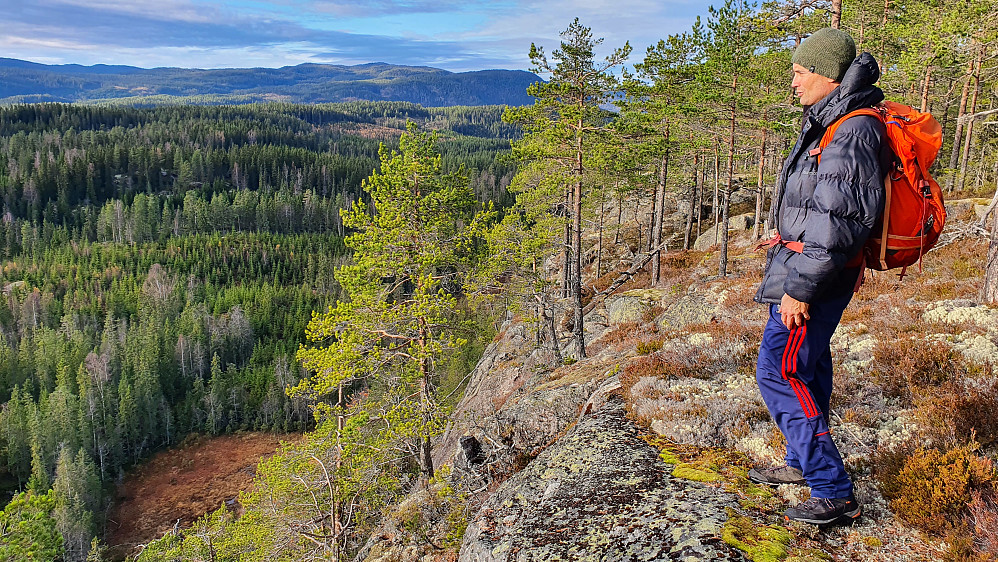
[339, 268]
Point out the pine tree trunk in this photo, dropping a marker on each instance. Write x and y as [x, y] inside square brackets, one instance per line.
[883, 35]
[620, 217]
[989, 289]
[969, 133]
[756, 227]
[925, 88]
[836, 13]
[723, 269]
[566, 272]
[700, 189]
[337, 506]
[599, 242]
[692, 201]
[862, 30]
[658, 213]
[425, 398]
[554, 334]
[578, 328]
[954, 156]
[541, 324]
[637, 221]
[717, 186]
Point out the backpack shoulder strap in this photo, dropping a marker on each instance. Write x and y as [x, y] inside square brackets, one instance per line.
[826, 138]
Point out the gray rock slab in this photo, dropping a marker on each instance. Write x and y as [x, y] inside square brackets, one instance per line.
[958, 209]
[735, 224]
[688, 309]
[630, 306]
[600, 494]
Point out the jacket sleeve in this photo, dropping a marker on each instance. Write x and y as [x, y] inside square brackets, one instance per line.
[848, 199]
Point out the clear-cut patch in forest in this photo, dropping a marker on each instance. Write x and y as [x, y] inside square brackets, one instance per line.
[178, 485]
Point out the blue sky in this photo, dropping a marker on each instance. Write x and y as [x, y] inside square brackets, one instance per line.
[450, 34]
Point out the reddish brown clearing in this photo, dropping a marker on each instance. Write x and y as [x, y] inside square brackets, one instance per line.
[182, 484]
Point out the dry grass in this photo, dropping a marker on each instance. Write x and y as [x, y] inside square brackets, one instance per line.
[901, 365]
[960, 410]
[657, 365]
[950, 272]
[184, 483]
[622, 335]
[745, 335]
[984, 518]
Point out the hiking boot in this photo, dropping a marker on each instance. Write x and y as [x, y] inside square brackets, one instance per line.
[777, 475]
[823, 511]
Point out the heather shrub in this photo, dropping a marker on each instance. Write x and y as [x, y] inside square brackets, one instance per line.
[959, 409]
[902, 364]
[652, 313]
[731, 344]
[930, 489]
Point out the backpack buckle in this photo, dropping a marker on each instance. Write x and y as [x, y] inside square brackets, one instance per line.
[926, 188]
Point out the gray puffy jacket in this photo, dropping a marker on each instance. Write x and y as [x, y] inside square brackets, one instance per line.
[832, 207]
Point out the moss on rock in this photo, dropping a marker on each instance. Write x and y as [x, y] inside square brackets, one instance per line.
[759, 543]
[689, 471]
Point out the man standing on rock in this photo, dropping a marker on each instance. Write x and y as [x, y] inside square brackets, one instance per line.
[822, 214]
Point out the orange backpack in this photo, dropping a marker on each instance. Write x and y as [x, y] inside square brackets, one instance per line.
[913, 207]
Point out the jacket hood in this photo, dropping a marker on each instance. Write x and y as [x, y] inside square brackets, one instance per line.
[855, 91]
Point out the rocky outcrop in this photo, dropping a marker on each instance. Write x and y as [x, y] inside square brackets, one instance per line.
[712, 235]
[513, 363]
[631, 306]
[967, 209]
[688, 309]
[600, 493]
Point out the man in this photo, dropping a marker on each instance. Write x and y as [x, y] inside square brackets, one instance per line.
[829, 207]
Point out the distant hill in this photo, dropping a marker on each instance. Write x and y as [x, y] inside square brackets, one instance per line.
[23, 81]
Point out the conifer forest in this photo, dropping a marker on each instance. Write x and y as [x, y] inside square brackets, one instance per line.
[335, 270]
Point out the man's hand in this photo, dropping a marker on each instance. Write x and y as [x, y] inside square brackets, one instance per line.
[793, 312]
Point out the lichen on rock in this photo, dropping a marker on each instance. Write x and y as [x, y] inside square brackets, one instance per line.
[600, 493]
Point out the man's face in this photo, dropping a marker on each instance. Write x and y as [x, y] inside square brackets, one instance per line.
[810, 87]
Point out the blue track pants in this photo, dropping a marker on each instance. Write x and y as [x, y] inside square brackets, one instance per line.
[794, 373]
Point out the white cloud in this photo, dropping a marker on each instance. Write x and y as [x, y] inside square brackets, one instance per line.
[166, 10]
[214, 33]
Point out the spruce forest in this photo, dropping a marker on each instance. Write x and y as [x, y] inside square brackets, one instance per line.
[160, 267]
[334, 271]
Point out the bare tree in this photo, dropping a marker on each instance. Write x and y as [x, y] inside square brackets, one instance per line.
[989, 290]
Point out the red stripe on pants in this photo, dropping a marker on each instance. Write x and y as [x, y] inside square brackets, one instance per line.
[794, 342]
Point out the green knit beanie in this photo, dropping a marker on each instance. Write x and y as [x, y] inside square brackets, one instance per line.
[827, 52]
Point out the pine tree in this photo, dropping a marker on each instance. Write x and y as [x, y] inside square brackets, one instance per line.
[562, 128]
[410, 251]
[28, 529]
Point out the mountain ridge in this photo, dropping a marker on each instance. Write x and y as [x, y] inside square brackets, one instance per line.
[25, 81]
